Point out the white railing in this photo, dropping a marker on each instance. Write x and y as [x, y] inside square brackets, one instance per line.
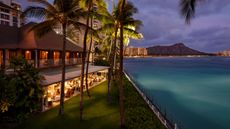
[167, 123]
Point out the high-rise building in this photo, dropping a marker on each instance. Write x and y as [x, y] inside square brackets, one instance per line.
[224, 53]
[10, 11]
[135, 51]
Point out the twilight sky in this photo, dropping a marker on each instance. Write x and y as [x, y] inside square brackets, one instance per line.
[163, 25]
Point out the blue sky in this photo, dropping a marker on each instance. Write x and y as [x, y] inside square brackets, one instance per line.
[163, 25]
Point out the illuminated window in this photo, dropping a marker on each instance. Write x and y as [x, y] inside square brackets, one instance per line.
[1, 57]
[28, 55]
[67, 55]
[56, 55]
[76, 55]
[44, 54]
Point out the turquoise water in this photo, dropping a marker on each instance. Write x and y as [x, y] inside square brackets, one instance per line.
[193, 92]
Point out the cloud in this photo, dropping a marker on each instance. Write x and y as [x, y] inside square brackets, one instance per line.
[209, 31]
[163, 25]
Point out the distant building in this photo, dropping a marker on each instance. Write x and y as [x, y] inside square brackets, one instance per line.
[135, 51]
[10, 12]
[224, 53]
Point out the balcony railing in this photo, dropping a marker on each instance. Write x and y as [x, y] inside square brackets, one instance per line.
[44, 63]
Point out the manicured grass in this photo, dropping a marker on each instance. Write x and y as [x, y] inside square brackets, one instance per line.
[98, 113]
[137, 113]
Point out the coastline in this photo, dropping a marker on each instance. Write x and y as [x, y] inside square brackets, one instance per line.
[166, 122]
[189, 56]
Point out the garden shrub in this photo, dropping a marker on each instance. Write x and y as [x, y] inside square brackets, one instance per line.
[21, 91]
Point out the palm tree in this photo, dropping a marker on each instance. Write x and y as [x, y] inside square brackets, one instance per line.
[87, 62]
[126, 12]
[110, 27]
[59, 13]
[121, 87]
[88, 4]
[96, 37]
[188, 9]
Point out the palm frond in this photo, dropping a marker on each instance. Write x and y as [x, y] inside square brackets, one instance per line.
[46, 4]
[78, 24]
[130, 33]
[106, 28]
[38, 12]
[95, 34]
[188, 9]
[43, 28]
[133, 22]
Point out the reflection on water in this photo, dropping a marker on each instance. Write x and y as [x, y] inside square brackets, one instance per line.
[194, 92]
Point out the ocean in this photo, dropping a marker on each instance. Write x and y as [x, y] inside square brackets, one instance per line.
[193, 92]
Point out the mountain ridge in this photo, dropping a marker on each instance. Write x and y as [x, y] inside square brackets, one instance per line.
[178, 49]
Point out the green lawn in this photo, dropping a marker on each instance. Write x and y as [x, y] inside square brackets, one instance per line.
[137, 113]
[98, 113]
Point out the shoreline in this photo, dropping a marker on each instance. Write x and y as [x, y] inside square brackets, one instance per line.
[166, 122]
[188, 56]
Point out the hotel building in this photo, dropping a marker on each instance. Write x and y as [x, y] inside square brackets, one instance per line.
[43, 52]
[135, 51]
[224, 53]
[10, 12]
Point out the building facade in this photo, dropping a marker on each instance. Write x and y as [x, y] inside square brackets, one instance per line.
[224, 53]
[43, 52]
[10, 12]
[135, 51]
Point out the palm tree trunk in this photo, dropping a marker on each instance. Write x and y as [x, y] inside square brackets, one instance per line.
[87, 66]
[112, 64]
[62, 95]
[115, 63]
[83, 63]
[121, 88]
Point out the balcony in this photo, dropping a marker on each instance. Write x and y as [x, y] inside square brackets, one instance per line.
[45, 63]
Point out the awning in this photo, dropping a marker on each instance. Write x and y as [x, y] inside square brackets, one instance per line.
[71, 74]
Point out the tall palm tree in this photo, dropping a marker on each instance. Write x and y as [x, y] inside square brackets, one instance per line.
[121, 87]
[110, 27]
[87, 62]
[96, 37]
[88, 4]
[126, 12]
[188, 9]
[61, 12]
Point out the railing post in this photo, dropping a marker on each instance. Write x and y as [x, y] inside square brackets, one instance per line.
[175, 126]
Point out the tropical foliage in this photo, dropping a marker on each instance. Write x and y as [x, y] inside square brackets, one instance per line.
[188, 9]
[21, 91]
